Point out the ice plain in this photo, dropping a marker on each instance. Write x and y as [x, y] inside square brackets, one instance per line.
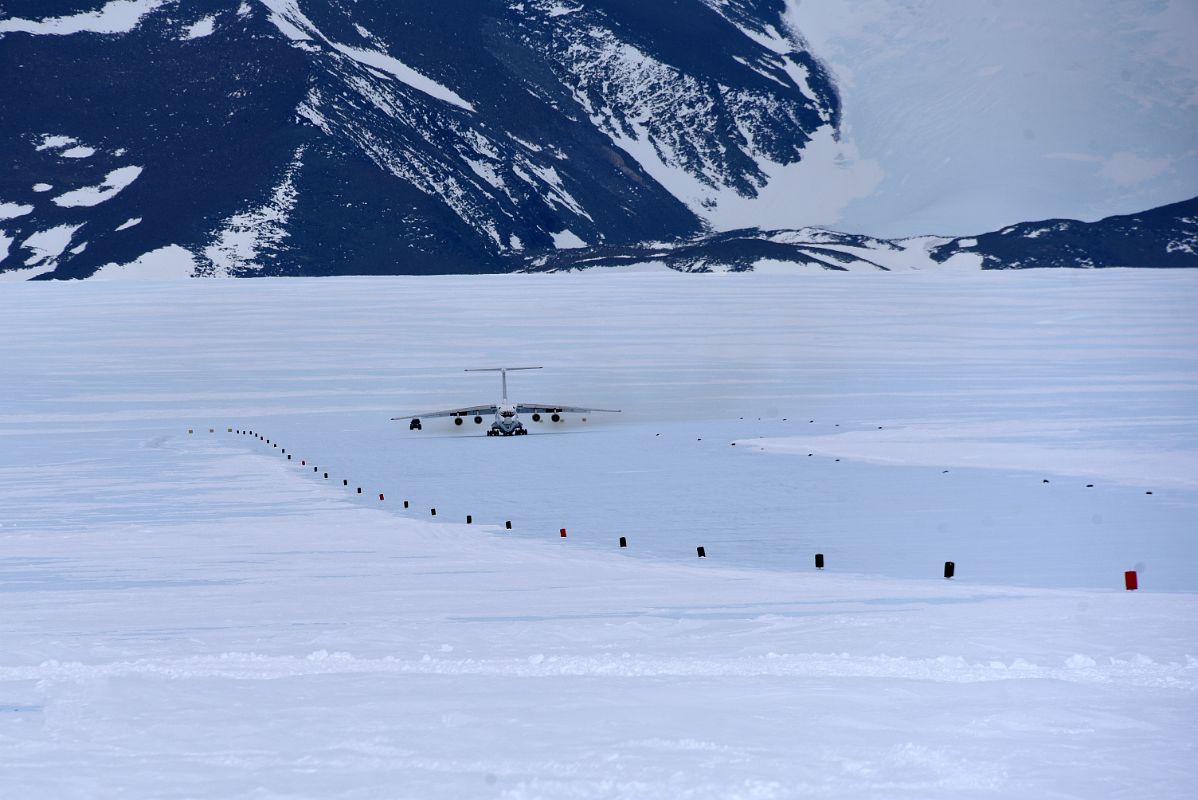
[193, 615]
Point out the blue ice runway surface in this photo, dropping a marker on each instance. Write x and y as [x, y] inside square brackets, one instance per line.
[670, 487]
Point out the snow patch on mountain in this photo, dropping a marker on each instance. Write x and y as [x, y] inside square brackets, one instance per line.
[14, 210]
[244, 239]
[42, 187]
[51, 141]
[287, 17]
[560, 10]
[398, 69]
[549, 182]
[114, 183]
[567, 240]
[164, 264]
[201, 28]
[117, 16]
[46, 246]
[129, 223]
[1186, 242]
[79, 151]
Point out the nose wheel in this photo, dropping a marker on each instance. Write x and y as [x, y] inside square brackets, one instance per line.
[501, 432]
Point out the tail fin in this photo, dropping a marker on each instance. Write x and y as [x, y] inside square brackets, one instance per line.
[503, 371]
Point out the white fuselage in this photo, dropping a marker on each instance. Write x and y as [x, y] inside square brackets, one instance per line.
[506, 418]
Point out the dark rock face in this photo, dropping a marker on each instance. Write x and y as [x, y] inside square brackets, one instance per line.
[302, 138]
[734, 251]
[1163, 237]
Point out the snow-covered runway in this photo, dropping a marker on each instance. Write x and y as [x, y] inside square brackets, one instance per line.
[193, 615]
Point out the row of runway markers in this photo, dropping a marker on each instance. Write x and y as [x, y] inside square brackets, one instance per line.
[1130, 578]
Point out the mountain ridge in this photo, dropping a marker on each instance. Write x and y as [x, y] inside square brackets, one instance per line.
[278, 137]
[1164, 237]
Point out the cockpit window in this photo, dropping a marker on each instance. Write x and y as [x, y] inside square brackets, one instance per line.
[508, 413]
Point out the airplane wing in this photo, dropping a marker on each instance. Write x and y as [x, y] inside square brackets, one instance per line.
[549, 408]
[469, 411]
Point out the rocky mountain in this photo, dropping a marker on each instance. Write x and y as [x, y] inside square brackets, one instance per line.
[260, 137]
[306, 137]
[1163, 237]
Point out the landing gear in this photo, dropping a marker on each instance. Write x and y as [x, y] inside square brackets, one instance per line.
[414, 425]
[497, 431]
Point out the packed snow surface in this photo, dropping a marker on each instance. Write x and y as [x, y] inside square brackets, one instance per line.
[194, 614]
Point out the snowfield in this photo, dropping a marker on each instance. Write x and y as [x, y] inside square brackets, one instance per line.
[196, 615]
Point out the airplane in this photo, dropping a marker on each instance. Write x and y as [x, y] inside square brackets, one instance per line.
[507, 414]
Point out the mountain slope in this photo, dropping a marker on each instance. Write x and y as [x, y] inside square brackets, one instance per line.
[1162, 237]
[287, 137]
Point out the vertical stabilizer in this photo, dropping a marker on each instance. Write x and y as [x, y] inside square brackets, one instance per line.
[503, 371]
